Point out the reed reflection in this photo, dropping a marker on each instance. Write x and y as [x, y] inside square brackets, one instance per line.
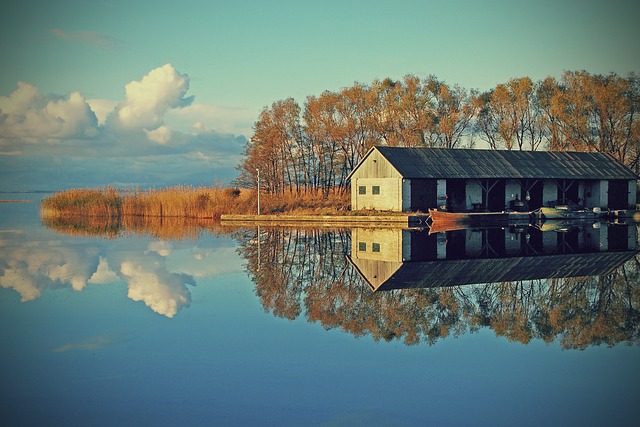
[169, 228]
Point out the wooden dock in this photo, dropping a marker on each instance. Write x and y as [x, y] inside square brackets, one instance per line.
[326, 220]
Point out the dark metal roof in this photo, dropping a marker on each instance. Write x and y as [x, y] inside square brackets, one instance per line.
[441, 273]
[466, 163]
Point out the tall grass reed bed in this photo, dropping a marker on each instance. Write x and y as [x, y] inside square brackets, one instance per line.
[186, 202]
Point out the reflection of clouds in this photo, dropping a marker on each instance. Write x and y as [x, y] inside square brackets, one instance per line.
[30, 268]
[21, 282]
[93, 343]
[157, 273]
[205, 261]
[163, 292]
[147, 278]
[7, 236]
[161, 247]
[104, 274]
[65, 274]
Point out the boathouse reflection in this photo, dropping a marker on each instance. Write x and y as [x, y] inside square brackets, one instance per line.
[526, 283]
[395, 258]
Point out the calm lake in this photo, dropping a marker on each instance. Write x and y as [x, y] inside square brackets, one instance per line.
[170, 323]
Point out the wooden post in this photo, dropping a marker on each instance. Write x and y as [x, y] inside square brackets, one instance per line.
[258, 170]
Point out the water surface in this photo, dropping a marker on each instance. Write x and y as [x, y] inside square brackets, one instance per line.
[175, 324]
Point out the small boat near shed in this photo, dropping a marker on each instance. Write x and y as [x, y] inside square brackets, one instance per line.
[441, 217]
[566, 212]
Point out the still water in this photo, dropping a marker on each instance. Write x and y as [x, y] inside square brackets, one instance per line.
[176, 323]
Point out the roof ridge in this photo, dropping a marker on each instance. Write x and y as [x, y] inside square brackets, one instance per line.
[466, 163]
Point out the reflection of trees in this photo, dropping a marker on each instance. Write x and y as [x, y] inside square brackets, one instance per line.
[306, 271]
[290, 262]
[577, 311]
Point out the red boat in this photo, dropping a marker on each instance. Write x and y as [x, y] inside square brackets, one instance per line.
[445, 219]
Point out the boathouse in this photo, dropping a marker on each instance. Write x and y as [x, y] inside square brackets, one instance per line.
[463, 180]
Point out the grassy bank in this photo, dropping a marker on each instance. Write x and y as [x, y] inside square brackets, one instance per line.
[186, 202]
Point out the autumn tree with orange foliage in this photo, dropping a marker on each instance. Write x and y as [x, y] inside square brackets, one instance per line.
[599, 113]
[316, 145]
[579, 112]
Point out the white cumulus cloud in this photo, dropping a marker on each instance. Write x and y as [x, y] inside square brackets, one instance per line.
[156, 136]
[161, 135]
[148, 100]
[28, 114]
[199, 118]
[102, 108]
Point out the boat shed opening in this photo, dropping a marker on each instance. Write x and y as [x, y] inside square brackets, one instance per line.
[467, 180]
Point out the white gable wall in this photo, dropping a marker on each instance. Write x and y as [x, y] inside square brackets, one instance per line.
[383, 194]
[377, 185]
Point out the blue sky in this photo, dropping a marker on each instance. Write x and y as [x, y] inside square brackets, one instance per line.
[161, 93]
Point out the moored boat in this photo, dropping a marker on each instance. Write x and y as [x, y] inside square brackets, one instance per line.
[477, 218]
[566, 212]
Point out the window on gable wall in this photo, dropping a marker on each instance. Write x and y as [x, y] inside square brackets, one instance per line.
[375, 190]
[362, 189]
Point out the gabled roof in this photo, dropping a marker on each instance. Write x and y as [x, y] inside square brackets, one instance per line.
[442, 273]
[434, 163]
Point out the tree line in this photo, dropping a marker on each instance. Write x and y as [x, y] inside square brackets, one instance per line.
[315, 146]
